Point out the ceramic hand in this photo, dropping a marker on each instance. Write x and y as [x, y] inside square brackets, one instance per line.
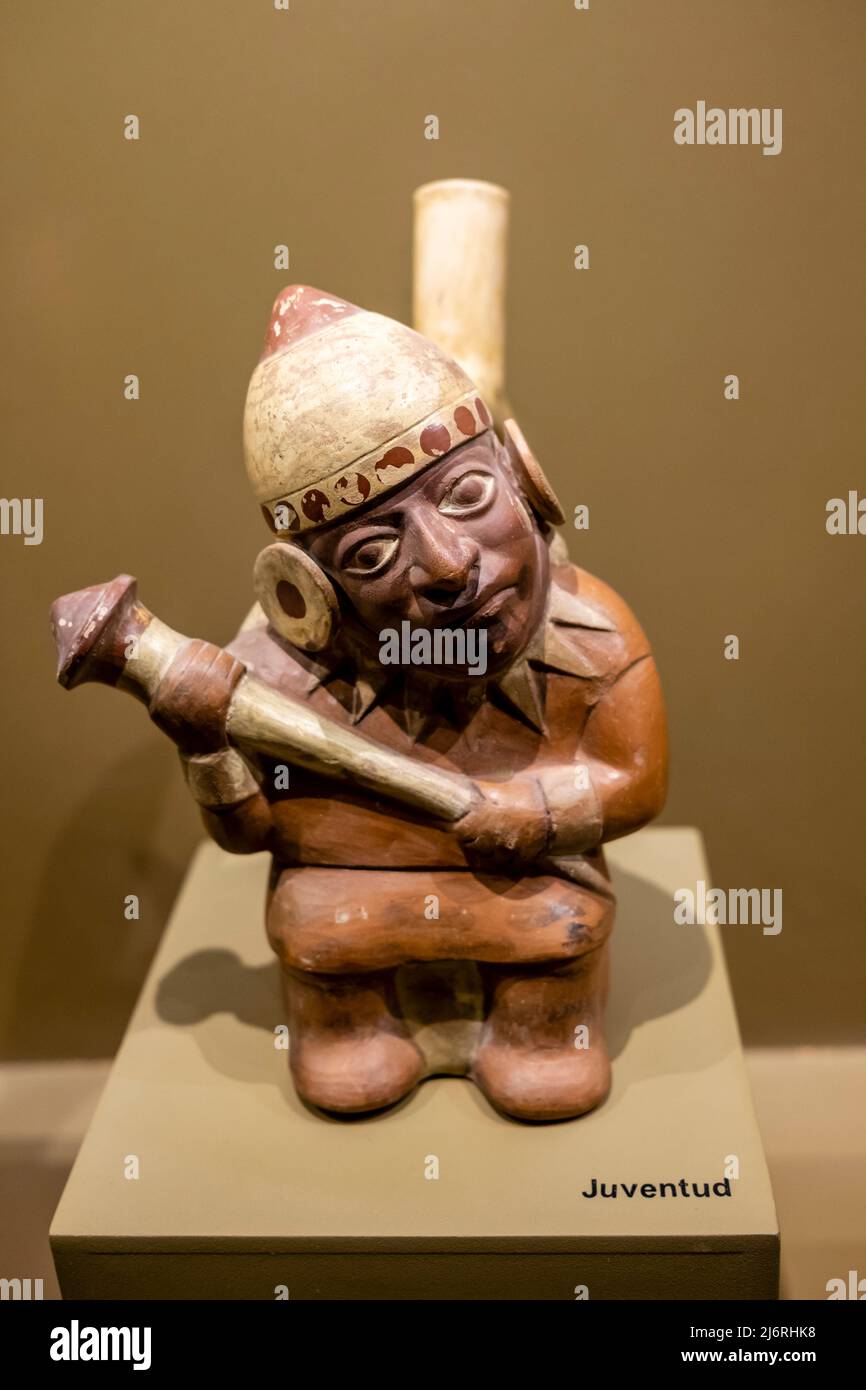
[509, 827]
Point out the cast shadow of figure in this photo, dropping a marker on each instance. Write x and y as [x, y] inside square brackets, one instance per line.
[646, 942]
[657, 968]
[216, 982]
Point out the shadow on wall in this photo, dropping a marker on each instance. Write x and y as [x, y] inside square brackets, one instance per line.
[108, 848]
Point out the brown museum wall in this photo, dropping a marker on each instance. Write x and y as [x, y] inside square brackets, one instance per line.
[155, 257]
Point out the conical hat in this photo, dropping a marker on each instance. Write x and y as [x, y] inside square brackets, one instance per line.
[346, 405]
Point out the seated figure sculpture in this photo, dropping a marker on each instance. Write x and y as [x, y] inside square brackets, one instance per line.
[411, 942]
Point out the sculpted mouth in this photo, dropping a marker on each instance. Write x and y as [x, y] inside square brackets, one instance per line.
[481, 612]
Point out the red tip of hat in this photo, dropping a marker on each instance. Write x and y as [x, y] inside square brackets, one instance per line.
[298, 311]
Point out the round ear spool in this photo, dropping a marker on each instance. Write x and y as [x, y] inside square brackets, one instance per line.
[531, 476]
[298, 598]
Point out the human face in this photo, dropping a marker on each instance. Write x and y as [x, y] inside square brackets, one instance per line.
[455, 547]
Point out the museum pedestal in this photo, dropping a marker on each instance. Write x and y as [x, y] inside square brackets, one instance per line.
[203, 1175]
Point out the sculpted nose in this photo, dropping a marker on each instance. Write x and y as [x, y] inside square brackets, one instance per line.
[443, 563]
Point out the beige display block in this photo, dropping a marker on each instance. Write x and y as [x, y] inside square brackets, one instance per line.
[241, 1192]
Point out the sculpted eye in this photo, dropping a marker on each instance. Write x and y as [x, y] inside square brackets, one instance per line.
[370, 555]
[468, 493]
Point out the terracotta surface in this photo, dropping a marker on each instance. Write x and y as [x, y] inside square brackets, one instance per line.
[477, 775]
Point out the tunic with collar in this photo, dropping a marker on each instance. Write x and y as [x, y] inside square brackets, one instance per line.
[360, 884]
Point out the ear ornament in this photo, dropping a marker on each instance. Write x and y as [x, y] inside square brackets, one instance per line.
[297, 596]
[531, 475]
